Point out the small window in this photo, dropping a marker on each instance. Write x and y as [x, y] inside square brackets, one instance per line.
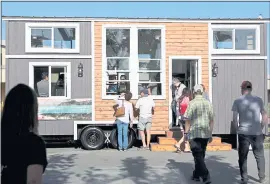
[236, 39]
[50, 81]
[46, 37]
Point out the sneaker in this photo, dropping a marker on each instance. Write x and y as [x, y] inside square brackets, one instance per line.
[207, 181]
[195, 178]
[263, 180]
[120, 149]
[124, 149]
[243, 181]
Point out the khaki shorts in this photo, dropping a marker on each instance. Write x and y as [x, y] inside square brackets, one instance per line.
[144, 124]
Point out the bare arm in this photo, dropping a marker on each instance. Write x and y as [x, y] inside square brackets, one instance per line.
[131, 115]
[34, 174]
[187, 126]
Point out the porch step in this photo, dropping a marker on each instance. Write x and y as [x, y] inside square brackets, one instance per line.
[171, 148]
[172, 141]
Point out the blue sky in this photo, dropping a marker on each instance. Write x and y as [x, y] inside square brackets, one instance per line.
[140, 9]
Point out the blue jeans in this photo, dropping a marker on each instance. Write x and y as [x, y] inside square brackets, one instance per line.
[122, 129]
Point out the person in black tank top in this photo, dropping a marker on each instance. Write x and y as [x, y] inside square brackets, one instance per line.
[24, 157]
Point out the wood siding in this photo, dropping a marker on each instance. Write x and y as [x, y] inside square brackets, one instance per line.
[182, 39]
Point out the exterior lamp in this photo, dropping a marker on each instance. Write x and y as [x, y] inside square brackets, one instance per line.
[214, 70]
[80, 70]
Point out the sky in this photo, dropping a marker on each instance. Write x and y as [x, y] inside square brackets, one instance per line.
[140, 9]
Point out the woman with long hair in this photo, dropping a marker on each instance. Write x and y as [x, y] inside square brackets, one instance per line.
[125, 120]
[184, 100]
[24, 156]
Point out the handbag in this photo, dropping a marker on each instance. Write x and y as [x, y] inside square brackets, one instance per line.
[120, 111]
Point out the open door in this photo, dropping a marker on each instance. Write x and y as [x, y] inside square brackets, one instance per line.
[193, 68]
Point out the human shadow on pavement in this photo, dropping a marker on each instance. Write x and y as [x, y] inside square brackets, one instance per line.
[221, 172]
[132, 170]
[58, 169]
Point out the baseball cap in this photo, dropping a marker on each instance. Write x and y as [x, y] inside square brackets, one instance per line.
[246, 85]
[197, 88]
[144, 91]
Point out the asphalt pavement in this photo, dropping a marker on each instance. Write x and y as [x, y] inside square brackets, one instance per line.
[77, 166]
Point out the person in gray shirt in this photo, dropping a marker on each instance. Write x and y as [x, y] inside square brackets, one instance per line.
[252, 119]
[43, 85]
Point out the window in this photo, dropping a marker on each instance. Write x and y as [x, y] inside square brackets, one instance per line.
[238, 39]
[50, 80]
[47, 37]
[134, 60]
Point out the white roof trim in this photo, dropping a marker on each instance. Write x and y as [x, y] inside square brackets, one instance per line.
[47, 56]
[86, 19]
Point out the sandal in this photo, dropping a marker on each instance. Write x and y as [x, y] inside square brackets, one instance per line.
[178, 149]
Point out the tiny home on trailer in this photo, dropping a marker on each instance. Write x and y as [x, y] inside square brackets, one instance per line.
[79, 65]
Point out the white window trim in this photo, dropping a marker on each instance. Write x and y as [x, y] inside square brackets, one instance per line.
[29, 49]
[67, 64]
[233, 27]
[134, 59]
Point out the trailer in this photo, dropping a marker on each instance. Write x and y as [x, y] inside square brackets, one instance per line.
[90, 61]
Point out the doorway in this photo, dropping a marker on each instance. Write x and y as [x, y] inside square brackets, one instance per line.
[188, 71]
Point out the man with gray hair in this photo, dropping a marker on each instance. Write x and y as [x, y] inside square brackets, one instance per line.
[43, 85]
[178, 89]
[198, 130]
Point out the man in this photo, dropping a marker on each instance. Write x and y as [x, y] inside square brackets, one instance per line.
[178, 89]
[43, 85]
[145, 105]
[250, 108]
[199, 126]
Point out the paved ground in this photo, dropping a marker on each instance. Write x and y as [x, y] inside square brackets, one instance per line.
[70, 166]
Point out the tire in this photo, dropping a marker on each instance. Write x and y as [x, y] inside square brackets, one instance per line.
[114, 141]
[92, 138]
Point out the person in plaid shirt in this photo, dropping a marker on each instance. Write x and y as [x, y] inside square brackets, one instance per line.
[199, 126]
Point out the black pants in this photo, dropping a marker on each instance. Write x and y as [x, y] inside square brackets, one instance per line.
[256, 142]
[198, 148]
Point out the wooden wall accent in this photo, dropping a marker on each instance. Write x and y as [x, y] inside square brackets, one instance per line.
[182, 39]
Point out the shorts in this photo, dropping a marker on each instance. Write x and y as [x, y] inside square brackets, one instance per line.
[144, 123]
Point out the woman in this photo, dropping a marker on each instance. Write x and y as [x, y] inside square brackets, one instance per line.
[23, 152]
[123, 121]
[184, 100]
[205, 94]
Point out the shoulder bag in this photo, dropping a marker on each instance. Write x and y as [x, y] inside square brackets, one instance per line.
[120, 111]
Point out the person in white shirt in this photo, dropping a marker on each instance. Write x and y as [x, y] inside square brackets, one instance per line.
[123, 121]
[146, 106]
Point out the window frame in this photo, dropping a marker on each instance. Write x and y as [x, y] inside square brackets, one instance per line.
[51, 64]
[134, 59]
[30, 26]
[233, 28]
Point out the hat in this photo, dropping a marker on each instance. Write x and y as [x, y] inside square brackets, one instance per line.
[246, 85]
[144, 91]
[197, 88]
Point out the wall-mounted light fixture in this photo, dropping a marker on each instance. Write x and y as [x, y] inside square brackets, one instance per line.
[214, 70]
[80, 70]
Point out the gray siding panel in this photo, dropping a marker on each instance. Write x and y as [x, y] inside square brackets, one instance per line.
[226, 88]
[16, 38]
[64, 127]
[81, 87]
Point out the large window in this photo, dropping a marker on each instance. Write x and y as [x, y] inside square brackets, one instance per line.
[50, 80]
[238, 39]
[133, 60]
[45, 37]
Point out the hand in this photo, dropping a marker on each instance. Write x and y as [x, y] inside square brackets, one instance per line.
[122, 94]
[131, 125]
[210, 140]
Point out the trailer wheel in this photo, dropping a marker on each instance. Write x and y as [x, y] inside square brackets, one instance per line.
[114, 138]
[92, 138]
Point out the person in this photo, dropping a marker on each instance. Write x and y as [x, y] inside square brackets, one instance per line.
[183, 104]
[205, 94]
[123, 121]
[178, 93]
[24, 157]
[145, 105]
[198, 130]
[250, 108]
[43, 85]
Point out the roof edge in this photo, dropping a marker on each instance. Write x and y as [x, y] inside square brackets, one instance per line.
[136, 19]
